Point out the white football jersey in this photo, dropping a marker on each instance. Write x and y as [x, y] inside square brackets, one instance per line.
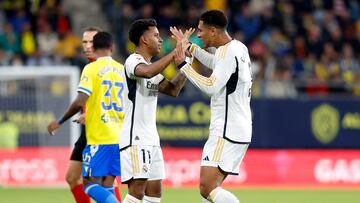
[141, 95]
[230, 88]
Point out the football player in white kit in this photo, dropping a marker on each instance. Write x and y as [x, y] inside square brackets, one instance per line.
[230, 89]
[142, 164]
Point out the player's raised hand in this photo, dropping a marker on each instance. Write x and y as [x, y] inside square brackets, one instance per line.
[179, 55]
[176, 33]
[189, 32]
[52, 127]
[181, 37]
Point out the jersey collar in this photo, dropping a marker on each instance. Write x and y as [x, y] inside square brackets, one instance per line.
[104, 58]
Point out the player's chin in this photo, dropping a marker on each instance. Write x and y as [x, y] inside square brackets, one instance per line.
[88, 55]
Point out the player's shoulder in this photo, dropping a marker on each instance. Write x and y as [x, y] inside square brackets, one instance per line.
[134, 58]
[236, 45]
[118, 64]
[93, 64]
[88, 66]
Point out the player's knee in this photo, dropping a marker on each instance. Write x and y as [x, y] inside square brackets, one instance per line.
[153, 189]
[73, 180]
[205, 190]
[154, 192]
[137, 194]
[137, 189]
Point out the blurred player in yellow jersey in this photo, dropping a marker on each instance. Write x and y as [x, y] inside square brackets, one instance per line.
[101, 87]
[73, 174]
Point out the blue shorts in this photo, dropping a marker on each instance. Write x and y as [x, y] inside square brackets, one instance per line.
[101, 160]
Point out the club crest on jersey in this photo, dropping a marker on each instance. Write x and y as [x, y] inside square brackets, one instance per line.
[93, 149]
[144, 169]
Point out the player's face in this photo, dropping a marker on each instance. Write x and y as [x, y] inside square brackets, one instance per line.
[153, 40]
[87, 42]
[205, 33]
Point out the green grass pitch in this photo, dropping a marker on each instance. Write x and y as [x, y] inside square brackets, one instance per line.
[24, 195]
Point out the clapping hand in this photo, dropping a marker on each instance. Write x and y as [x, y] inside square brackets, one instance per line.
[182, 38]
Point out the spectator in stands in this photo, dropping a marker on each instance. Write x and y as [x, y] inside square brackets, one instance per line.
[28, 42]
[47, 41]
[19, 20]
[247, 22]
[62, 21]
[10, 41]
[349, 65]
[68, 46]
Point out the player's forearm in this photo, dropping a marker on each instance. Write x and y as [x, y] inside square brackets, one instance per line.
[173, 88]
[178, 83]
[208, 85]
[74, 108]
[155, 68]
[204, 57]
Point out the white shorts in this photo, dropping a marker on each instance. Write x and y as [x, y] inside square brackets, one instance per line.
[227, 156]
[142, 162]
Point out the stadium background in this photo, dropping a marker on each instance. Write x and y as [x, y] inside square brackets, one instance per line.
[305, 97]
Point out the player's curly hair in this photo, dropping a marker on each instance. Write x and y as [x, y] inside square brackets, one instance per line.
[214, 18]
[103, 40]
[138, 28]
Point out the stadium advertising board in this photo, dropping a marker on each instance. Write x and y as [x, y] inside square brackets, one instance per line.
[45, 167]
[277, 123]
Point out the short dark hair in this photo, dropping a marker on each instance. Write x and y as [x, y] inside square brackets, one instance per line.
[138, 28]
[102, 40]
[214, 18]
[93, 29]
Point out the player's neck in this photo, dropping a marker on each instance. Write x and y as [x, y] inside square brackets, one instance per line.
[144, 53]
[102, 53]
[92, 59]
[223, 39]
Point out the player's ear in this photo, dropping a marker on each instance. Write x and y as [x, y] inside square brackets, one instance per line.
[213, 31]
[112, 48]
[143, 40]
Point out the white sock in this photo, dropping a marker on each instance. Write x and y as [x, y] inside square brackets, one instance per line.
[205, 200]
[219, 195]
[130, 199]
[148, 199]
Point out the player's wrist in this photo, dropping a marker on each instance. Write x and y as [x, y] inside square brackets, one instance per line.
[190, 44]
[61, 121]
[192, 48]
[182, 64]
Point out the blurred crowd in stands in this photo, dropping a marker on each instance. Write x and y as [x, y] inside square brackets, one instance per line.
[309, 47]
[37, 33]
